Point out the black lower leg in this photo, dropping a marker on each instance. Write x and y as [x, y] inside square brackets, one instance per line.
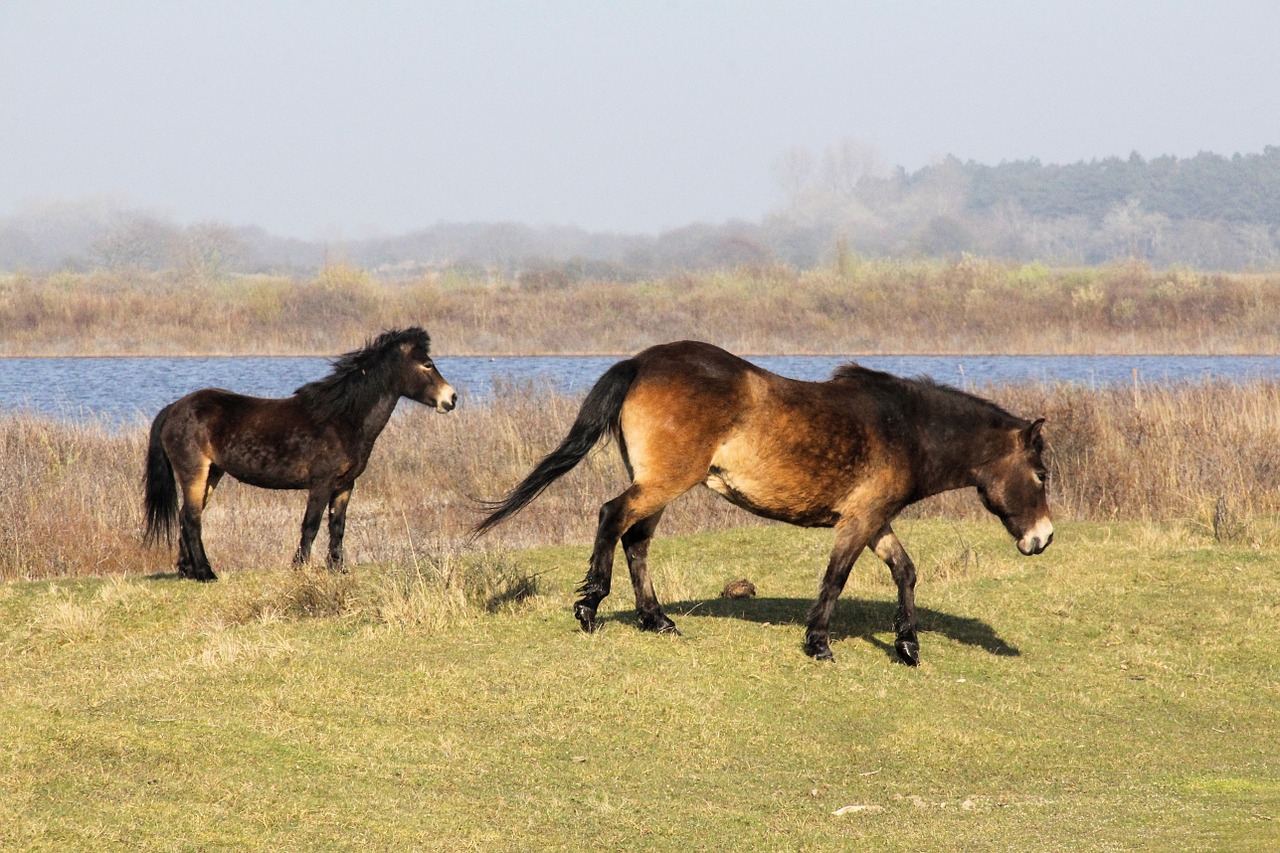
[196, 565]
[635, 545]
[595, 586]
[906, 641]
[817, 638]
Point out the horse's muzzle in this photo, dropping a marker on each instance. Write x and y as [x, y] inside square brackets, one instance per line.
[446, 402]
[1037, 538]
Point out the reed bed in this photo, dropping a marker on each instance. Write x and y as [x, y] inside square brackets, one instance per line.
[70, 495]
[881, 306]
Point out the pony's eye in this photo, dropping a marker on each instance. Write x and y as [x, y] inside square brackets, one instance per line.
[1042, 477]
[428, 365]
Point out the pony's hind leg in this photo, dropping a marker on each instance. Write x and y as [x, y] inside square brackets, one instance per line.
[635, 545]
[638, 504]
[193, 562]
[889, 548]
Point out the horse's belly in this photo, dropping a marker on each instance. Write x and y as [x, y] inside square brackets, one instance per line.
[769, 501]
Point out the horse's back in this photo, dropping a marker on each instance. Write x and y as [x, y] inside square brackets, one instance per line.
[263, 441]
[779, 447]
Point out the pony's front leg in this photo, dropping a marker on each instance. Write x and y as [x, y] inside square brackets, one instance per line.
[311, 518]
[889, 548]
[851, 538]
[337, 526]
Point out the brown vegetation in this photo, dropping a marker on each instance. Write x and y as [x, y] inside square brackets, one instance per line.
[70, 499]
[970, 305]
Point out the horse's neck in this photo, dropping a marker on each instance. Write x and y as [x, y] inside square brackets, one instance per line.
[374, 420]
[951, 454]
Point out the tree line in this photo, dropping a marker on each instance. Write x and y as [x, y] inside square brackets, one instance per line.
[1208, 211]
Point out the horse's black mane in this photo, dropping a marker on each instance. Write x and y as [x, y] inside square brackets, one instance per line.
[361, 376]
[938, 397]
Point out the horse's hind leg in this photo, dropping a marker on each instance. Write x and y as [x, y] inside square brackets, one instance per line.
[889, 548]
[638, 503]
[635, 545]
[192, 560]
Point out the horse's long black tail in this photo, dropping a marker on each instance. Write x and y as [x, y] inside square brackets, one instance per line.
[159, 488]
[599, 415]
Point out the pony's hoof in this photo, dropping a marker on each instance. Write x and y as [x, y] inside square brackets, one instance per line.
[659, 624]
[586, 617]
[818, 651]
[908, 652]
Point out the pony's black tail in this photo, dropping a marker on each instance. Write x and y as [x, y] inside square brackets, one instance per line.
[598, 416]
[159, 488]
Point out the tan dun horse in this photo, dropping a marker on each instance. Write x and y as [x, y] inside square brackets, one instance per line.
[849, 453]
[319, 440]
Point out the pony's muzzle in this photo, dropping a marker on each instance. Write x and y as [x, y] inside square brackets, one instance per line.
[446, 400]
[1037, 538]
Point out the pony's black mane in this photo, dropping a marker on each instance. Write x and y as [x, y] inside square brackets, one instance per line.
[362, 376]
[938, 397]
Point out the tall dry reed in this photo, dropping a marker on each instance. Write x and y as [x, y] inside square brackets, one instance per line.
[971, 305]
[70, 496]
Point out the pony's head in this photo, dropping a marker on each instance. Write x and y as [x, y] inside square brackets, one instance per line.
[396, 362]
[1012, 486]
[417, 376]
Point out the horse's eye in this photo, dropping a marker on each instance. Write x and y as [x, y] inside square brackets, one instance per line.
[428, 365]
[1042, 477]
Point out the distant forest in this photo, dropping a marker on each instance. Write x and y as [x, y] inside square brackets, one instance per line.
[1207, 212]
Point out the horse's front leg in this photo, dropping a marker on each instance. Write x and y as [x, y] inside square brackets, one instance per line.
[337, 525]
[889, 548]
[851, 538]
[317, 500]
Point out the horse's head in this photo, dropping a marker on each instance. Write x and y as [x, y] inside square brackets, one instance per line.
[1012, 486]
[420, 380]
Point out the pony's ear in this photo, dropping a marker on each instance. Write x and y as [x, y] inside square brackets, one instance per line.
[1031, 437]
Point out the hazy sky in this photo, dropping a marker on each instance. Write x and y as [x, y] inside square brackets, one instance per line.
[348, 119]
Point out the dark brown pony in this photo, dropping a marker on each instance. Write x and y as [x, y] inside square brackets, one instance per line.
[848, 453]
[319, 440]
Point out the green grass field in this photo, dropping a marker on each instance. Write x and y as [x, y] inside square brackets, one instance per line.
[1120, 692]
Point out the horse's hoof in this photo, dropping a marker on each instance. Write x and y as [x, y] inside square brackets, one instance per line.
[818, 651]
[586, 617]
[908, 652]
[659, 624]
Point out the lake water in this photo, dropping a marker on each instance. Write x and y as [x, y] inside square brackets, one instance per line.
[123, 391]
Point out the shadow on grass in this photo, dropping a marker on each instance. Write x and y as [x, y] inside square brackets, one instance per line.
[853, 617]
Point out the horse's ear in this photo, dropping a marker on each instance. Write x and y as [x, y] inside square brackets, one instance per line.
[1031, 437]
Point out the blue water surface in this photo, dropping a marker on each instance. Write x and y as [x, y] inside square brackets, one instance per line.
[124, 391]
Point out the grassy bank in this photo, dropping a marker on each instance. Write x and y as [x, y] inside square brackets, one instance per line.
[971, 305]
[70, 496]
[1117, 693]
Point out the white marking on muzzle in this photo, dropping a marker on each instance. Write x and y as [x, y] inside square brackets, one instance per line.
[1037, 538]
[446, 398]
